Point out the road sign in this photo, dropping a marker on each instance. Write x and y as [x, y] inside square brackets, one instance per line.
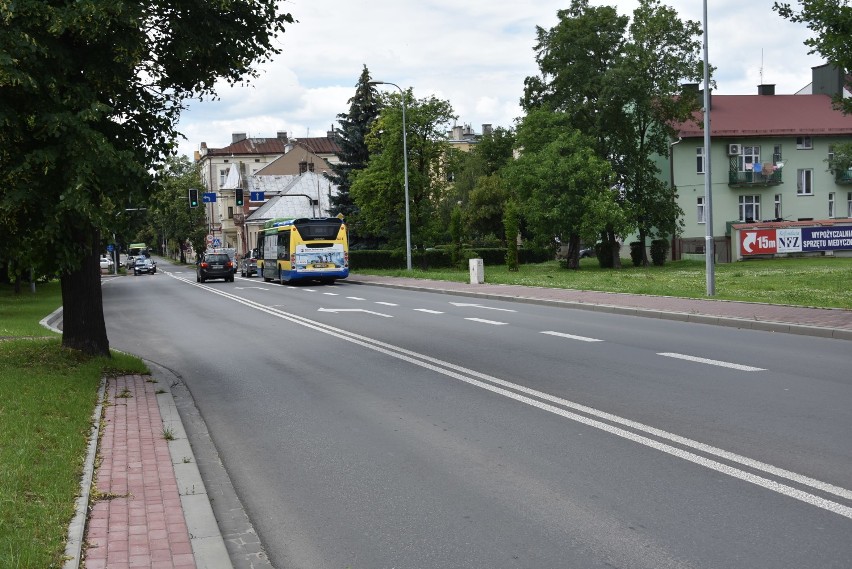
[217, 243]
[208, 197]
[209, 239]
[110, 247]
[256, 196]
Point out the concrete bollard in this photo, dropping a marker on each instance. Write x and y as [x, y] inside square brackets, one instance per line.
[477, 271]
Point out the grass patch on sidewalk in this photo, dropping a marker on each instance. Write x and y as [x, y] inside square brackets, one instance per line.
[808, 281]
[47, 397]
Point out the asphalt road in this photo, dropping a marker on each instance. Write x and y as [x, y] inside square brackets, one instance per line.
[369, 427]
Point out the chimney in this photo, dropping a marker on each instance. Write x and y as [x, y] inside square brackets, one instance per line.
[486, 129]
[457, 132]
[280, 135]
[766, 89]
[237, 137]
[828, 79]
[709, 98]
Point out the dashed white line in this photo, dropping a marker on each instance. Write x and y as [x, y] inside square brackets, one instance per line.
[483, 321]
[387, 303]
[571, 336]
[427, 311]
[710, 362]
[331, 294]
[355, 298]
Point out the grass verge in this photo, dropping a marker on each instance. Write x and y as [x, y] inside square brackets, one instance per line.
[808, 281]
[47, 396]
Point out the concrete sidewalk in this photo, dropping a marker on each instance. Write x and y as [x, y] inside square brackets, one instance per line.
[151, 509]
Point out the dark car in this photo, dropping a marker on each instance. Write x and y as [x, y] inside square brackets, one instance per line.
[144, 265]
[248, 264]
[215, 266]
[587, 252]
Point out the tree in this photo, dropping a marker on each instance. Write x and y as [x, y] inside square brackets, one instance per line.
[660, 54]
[622, 86]
[379, 189]
[364, 108]
[169, 213]
[831, 24]
[563, 187]
[90, 97]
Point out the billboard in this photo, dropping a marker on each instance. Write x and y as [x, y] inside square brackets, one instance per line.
[795, 240]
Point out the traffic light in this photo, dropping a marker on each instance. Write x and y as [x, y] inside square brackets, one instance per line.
[239, 195]
[193, 197]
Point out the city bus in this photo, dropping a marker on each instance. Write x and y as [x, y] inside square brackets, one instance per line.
[291, 250]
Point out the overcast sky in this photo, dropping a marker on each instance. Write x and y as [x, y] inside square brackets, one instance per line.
[473, 53]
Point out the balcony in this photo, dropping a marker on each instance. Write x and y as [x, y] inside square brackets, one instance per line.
[843, 177]
[768, 175]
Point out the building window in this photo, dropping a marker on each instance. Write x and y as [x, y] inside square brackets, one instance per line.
[223, 175]
[804, 143]
[748, 158]
[776, 154]
[831, 209]
[749, 208]
[700, 206]
[778, 214]
[699, 160]
[230, 212]
[805, 182]
[849, 204]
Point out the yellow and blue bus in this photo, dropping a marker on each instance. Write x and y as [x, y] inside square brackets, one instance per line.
[303, 249]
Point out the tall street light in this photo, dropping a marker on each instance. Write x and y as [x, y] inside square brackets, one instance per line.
[405, 165]
[709, 240]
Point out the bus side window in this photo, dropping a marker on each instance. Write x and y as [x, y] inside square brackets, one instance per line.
[284, 246]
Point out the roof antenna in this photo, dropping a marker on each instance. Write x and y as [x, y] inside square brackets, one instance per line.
[761, 66]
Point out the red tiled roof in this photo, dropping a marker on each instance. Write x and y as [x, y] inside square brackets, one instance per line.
[770, 115]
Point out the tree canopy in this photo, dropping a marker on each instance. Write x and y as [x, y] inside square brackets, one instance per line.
[90, 96]
[831, 24]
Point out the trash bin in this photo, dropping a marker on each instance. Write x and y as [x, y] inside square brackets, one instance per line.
[477, 271]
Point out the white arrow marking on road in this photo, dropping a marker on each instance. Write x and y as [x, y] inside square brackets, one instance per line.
[571, 336]
[481, 306]
[354, 310]
[710, 362]
[492, 322]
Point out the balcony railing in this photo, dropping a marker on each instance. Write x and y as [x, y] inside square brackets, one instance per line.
[768, 175]
[843, 177]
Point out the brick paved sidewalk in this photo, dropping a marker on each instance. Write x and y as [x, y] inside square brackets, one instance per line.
[137, 519]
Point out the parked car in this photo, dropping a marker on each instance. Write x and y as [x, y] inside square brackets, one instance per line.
[144, 265]
[214, 266]
[248, 264]
[587, 252]
[106, 263]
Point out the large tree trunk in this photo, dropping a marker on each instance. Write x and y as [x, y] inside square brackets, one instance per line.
[83, 326]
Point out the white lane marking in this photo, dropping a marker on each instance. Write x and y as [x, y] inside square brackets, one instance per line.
[354, 310]
[355, 298]
[450, 370]
[492, 322]
[331, 294]
[571, 336]
[387, 303]
[250, 288]
[459, 304]
[307, 289]
[427, 311]
[710, 362]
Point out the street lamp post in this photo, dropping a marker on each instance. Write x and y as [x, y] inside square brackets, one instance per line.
[405, 165]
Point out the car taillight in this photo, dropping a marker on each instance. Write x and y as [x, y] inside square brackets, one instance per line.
[229, 264]
[204, 265]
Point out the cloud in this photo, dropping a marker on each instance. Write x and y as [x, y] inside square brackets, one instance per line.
[475, 54]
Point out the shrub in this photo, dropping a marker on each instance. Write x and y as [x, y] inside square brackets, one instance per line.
[659, 251]
[636, 253]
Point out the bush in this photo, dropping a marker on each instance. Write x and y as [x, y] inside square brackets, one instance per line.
[603, 251]
[373, 259]
[636, 253]
[659, 251]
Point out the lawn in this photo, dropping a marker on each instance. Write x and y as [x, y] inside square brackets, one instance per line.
[807, 281]
[47, 397]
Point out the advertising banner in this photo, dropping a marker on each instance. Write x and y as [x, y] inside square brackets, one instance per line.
[795, 240]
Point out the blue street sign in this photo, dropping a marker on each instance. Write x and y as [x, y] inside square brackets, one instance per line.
[256, 196]
[208, 197]
[110, 248]
[217, 242]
